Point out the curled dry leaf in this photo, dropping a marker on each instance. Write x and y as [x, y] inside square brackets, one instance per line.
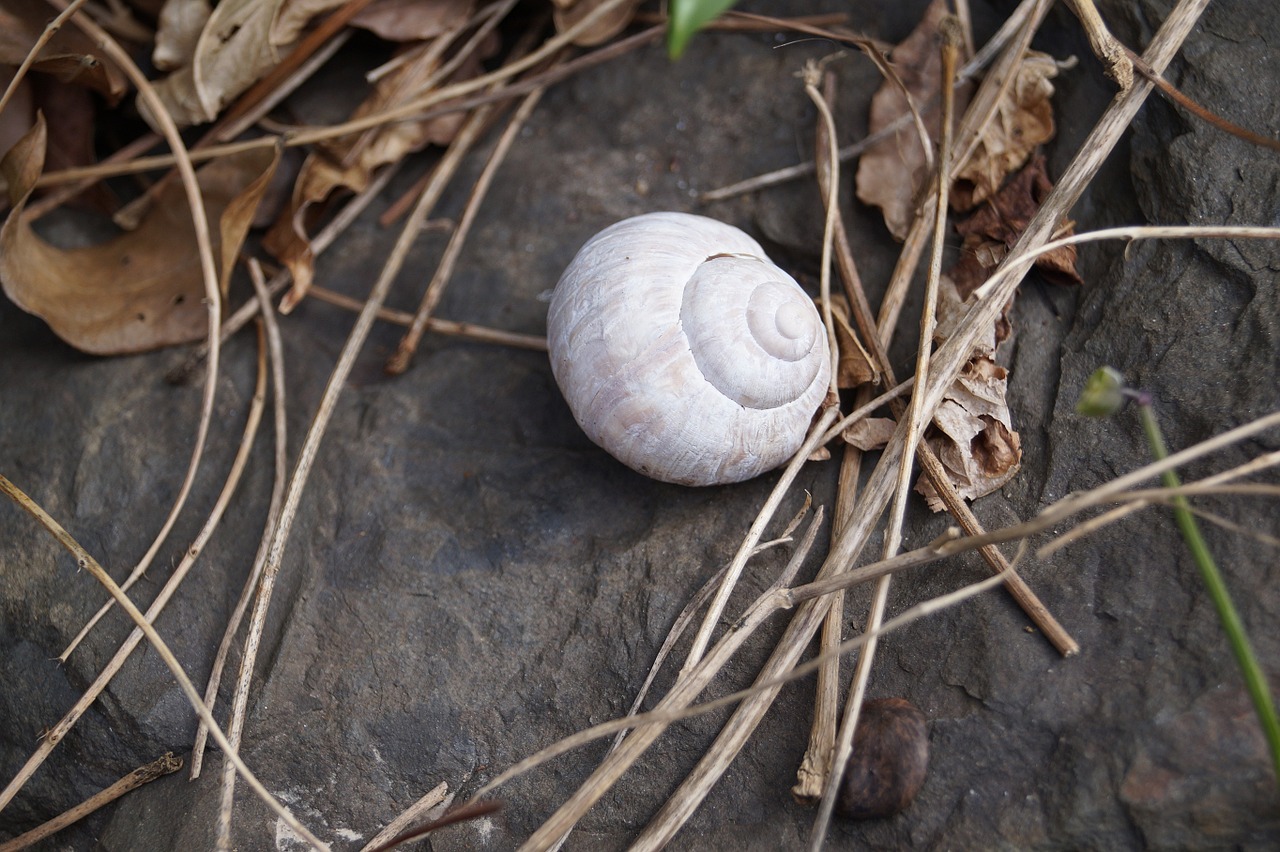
[1023, 120]
[70, 131]
[567, 13]
[992, 230]
[854, 367]
[238, 44]
[952, 308]
[891, 171]
[972, 435]
[870, 433]
[979, 451]
[413, 20]
[233, 50]
[19, 114]
[142, 289]
[177, 31]
[69, 56]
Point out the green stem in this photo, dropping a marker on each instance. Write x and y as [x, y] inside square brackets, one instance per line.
[1254, 679]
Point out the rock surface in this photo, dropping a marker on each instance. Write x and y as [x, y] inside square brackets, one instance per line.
[470, 580]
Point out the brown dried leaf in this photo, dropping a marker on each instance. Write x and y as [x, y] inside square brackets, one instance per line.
[870, 433]
[177, 31]
[569, 12]
[292, 16]
[854, 367]
[952, 309]
[142, 289]
[413, 20]
[70, 55]
[972, 435]
[972, 431]
[70, 115]
[993, 229]
[1023, 120]
[234, 50]
[891, 171]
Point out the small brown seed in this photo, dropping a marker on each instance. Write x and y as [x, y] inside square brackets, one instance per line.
[889, 760]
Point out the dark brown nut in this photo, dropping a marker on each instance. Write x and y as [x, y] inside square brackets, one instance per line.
[889, 761]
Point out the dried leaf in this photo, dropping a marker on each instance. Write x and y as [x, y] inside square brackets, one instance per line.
[70, 55]
[951, 309]
[972, 435]
[233, 51]
[870, 433]
[177, 31]
[292, 17]
[854, 367]
[891, 171]
[568, 13]
[70, 131]
[413, 20]
[140, 290]
[1023, 120]
[972, 431]
[993, 229]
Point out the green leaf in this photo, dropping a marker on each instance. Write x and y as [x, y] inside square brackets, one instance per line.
[1103, 393]
[689, 16]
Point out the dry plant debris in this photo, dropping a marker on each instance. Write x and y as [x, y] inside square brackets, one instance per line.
[892, 173]
[215, 55]
[972, 433]
[153, 291]
[991, 229]
[69, 56]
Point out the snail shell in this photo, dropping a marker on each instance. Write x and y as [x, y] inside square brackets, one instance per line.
[684, 352]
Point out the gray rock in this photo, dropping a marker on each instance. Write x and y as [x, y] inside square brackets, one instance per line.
[470, 580]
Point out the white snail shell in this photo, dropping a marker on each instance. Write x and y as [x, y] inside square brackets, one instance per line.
[684, 352]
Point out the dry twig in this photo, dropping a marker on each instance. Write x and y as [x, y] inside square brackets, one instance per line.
[157, 768]
[435, 797]
[276, 350]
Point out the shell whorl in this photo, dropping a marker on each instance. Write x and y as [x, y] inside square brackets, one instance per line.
[749, 331]
[684, 352]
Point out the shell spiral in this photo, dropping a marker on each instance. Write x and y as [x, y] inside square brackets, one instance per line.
[684, 352]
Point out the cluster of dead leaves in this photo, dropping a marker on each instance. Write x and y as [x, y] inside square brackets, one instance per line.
[143, 288]
[1000, 188]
